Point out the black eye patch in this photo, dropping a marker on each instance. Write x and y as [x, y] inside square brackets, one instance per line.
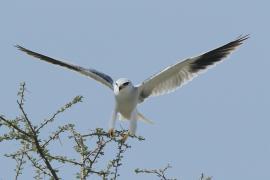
[126, 83]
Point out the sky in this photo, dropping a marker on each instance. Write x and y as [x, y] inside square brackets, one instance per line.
[217, 124]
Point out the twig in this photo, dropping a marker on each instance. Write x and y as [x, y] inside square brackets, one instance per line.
[56, 134]
[19, 165]
[64, 159]
[158, 172]
[122, 147]
[14, 126]
[203, 177]
[36, 141]
[62, 109]
[21, 92]
[37, 166]
[36, 151]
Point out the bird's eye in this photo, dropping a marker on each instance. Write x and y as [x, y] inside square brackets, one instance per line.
[126, 83]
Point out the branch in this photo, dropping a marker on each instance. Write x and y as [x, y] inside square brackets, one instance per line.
[38, 166]
[122, 147]
[9, 123]
[161, 173]
[35, 150]
[62, 109]
[55, 135]
[203, 177]
[40, 150]
[19, 167]
[21, 92]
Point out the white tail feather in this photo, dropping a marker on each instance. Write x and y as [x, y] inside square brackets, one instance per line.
[139, 117]
[144, 119]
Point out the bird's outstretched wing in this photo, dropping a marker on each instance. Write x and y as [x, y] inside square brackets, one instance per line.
[180, 73]
[99, 76]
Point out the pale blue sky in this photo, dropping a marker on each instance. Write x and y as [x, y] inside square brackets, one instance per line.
[217, 124]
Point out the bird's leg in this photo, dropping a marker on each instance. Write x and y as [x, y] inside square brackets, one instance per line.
[112, 124]
[132, 126]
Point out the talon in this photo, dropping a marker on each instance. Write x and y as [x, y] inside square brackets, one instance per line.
[111, 133]
[124, 137]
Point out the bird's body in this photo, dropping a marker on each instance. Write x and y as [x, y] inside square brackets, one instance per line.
[128, 96]
[126, 99]
[126, 102]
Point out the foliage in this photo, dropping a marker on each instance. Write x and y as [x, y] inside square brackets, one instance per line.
[35, 150]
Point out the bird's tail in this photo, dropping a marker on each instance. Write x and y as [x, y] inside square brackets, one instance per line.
[144, 119]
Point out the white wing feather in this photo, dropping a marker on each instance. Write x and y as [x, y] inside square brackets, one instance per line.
[180, 73]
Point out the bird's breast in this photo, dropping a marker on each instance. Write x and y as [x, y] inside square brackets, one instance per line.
[126, 102]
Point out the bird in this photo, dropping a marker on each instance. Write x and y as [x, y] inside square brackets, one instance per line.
[128, 96]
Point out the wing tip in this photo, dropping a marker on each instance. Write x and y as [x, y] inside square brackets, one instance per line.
[217, 54]
[21, 48]
[240, 39]
[18, 46]
[243, 37]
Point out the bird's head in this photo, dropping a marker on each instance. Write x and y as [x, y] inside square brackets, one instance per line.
[123, 84]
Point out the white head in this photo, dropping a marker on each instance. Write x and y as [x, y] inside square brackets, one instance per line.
[122, 85]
